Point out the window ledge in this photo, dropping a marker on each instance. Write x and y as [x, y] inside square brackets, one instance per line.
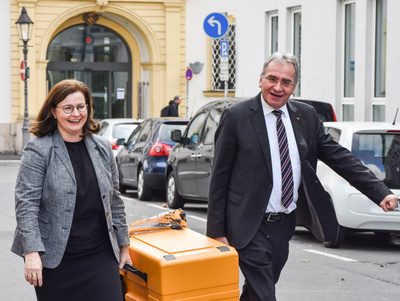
[218, 93]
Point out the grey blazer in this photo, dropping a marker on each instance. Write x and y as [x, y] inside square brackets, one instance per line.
[45, 196]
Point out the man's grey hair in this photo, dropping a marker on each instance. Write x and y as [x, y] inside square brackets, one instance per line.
[282, 58]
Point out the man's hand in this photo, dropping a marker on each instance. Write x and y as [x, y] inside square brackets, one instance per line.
[223, 239]
[389, 203]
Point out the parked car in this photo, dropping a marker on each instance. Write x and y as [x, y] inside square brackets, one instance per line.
[377, 145]
[324, 109]
[189, 164]
[115, 128]
[142, 160]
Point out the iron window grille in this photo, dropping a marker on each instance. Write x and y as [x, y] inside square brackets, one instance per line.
[216, 83]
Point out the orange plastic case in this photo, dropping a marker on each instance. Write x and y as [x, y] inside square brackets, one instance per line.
[181, 265]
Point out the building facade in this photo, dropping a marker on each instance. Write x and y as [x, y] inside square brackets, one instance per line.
[133, 54]
[347, 49]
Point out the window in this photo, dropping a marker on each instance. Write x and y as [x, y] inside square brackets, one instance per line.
[83, 43]
[145, 133]
[381, 154]
[123, 130]
[133, 137]
[378, 113]
[166, 130]
[380, 48]
[194, 129]
[103, 127]
[349, 49]
[274, 33]
[348, 112]
[297, 45]
[211, 126]
[98, 56]
[216, 83]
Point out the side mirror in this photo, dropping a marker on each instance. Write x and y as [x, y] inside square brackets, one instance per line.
[176, 136]
[120, 141]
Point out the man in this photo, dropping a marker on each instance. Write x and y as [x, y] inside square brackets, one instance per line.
[173, 107]
[253, 204]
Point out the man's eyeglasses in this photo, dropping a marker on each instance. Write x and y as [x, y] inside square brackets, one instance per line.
[68, 109]
[273, 80]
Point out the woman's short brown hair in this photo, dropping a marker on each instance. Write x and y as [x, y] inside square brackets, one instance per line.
[45, 123]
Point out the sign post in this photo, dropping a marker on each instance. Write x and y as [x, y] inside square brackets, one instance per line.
[189, 76]
[216, 25]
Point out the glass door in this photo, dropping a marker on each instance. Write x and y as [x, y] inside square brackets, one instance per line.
[100, 58]
[99, 86]
[120, 106]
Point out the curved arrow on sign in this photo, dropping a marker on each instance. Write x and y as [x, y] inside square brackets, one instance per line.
[212, 22]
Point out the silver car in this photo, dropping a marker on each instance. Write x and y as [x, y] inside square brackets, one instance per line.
[115, 128]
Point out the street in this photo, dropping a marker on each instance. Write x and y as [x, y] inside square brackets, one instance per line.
[362, 269]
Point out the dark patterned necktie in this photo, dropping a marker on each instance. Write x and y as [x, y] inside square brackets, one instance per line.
[286, 165]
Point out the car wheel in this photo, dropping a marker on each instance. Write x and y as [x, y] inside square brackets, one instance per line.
[174, 200]
[144, 192]
[337, 242]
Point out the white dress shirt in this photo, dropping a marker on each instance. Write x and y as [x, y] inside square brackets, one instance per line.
[274, 204]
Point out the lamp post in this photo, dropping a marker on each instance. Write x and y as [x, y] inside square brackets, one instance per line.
[24, 27]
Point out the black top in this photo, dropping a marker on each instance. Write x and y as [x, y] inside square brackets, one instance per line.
[173, 109]
[89, 228]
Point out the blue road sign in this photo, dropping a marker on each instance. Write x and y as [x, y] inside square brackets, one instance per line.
[215, 25]
[224, 48]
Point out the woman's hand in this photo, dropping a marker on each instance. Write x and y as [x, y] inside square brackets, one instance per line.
[33, 269]
[125, 258]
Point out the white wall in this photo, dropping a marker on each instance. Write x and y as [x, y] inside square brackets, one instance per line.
[196, 42]
[393, 61]
[250, 48]
[322, 46]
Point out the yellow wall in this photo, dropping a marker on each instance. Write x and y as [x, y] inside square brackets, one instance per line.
[161, 24]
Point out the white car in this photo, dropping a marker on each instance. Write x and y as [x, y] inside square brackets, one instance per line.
[378, 147]
[115, 128]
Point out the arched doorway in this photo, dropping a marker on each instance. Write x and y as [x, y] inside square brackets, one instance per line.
[99, 57]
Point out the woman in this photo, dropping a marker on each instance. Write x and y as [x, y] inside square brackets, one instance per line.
[71, 227]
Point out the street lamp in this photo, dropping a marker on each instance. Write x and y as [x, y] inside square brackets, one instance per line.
[24, 27]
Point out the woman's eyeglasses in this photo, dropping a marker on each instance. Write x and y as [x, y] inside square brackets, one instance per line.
[68, 109]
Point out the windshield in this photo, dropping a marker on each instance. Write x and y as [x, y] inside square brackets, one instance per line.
[123, 130]
[381, 154]
[167, 128]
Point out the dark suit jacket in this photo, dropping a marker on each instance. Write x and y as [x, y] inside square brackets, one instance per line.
[241, 181]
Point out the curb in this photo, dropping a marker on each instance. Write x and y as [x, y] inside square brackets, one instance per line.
[9, 162]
